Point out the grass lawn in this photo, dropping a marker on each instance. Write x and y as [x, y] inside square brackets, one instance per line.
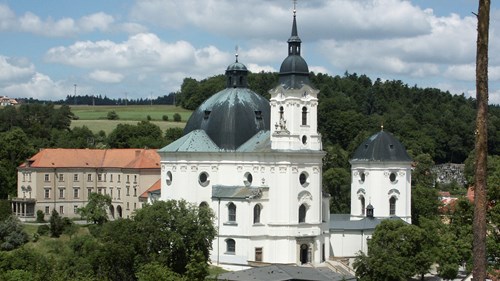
[94, 117]
[109, 125]
[131, 112]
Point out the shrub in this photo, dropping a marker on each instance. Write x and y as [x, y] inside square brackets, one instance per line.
[40, 216]
[177, 117]
[164, 117]
[43, 229]
[149, 117]
[56, 224]
[112, 115]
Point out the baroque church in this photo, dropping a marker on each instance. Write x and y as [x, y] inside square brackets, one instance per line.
[258, 165]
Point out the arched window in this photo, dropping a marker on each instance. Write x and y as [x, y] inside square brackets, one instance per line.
[302, 213]
[362, 199]
[256, 213]
[304, 115]
[231, 211]
[281, 112]
[392, 206]
[230, 246]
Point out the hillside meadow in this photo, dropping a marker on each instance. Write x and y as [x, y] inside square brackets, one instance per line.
[95, 117]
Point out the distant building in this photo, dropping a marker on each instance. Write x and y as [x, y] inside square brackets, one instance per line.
[4, 101]
[62, 179]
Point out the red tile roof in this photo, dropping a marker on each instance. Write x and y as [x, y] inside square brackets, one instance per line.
[94, 158]
[156, 186]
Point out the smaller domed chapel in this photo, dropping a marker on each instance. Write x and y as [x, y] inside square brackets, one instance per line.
[258, 165]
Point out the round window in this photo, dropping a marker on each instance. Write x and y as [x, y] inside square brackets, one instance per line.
[169, 178]
[203, 179]
[392, 177]
[303, 179]
[248, 178]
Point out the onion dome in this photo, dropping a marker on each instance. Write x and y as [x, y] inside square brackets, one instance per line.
[294, 71]
[381, 147]
[233, 115]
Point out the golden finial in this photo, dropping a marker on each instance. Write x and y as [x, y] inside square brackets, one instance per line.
[294, 7]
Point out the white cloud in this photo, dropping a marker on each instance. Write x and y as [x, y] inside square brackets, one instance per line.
[13, 69]
[98, 21]
[40, 86]
[106, 76]
[7, 17]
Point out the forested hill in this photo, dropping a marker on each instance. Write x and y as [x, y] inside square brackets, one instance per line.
[353, 107]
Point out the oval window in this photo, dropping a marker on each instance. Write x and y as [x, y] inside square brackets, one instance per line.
[303, 179]
[203, 179]
[304, 139]
[392, 177]
[169, 178]
[248, 178]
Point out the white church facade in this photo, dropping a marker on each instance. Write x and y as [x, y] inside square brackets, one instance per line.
[258, 165]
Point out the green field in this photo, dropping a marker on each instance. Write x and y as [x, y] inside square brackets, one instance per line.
[94, 117]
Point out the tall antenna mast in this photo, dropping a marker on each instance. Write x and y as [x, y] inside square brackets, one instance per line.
[294, 7]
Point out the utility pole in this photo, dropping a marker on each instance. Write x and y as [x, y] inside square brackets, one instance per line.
[75, 95]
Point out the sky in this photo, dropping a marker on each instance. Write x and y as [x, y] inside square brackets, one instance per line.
[145, 48]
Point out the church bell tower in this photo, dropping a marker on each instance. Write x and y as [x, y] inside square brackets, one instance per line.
[294, 102]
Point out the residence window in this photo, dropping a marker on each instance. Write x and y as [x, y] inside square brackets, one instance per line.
[61, 192]
[392, 206]
[256, 213]
[47, 178]
[89, 191]
[119, 176]
[135, 205]
[99, 177]
[118, 193]
[89, 177]
[75, 177]
[76, 192]
[135, 191]
[111, 192]
[128, 178]
[128, 191]
[47, 210]
[231, 209]
[24, 177]
[304, 116]
[75, 209]
[61, 210]
[230, 246]
[258, 254]
[99, 190]
[128, 205]
[47, 193]
[302, 213]
[135, 178]
[61, 177]
[111, 178]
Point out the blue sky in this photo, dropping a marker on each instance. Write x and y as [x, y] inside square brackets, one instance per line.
[146, 48]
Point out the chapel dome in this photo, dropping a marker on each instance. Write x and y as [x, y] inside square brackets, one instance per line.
[233, 115]
[381, 147]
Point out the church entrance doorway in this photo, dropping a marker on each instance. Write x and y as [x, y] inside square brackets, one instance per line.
[304, 253]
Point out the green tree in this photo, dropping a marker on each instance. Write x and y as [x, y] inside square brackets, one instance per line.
[12, 234]
[56, 224]
[40, 216]
[177, 117]
[397, 251]
[175, 233]
[157, 272]
[112, 115]
[15, 148]
[96, 209]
